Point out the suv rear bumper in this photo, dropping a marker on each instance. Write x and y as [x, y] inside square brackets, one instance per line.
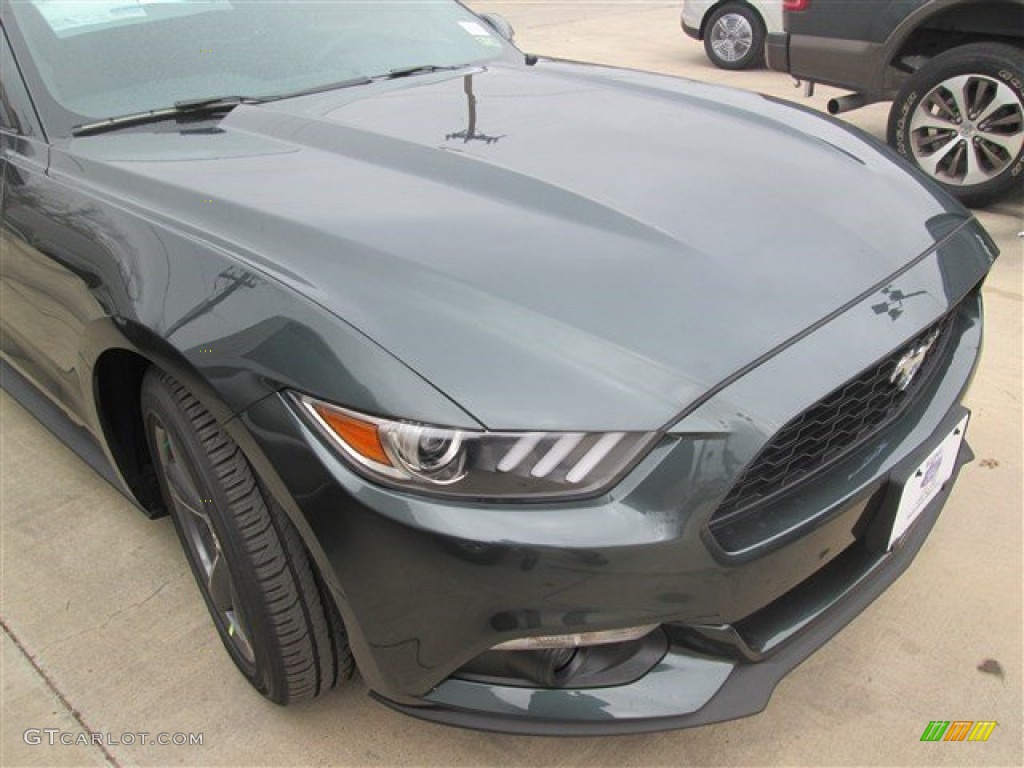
[852, 64]
[776, 52]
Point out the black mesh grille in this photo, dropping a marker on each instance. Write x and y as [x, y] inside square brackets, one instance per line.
[836, 424]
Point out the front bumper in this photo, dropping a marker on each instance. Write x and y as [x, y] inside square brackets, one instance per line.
[686, 688]
[427, 587]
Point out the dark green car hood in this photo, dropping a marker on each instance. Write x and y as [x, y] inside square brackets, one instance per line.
[557, 246]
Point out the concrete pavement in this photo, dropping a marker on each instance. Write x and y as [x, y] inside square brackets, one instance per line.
[105, 633]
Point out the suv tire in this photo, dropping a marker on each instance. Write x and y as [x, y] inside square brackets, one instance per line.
[960, 119]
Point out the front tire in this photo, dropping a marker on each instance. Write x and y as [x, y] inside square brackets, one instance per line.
[960, 119]
[734, 37]
[274, 616]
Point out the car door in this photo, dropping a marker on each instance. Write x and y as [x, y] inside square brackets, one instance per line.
[44, 303]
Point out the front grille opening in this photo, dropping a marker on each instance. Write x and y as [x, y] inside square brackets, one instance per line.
[837, 424]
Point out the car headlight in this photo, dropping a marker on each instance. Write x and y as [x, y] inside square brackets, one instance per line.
[466, 463]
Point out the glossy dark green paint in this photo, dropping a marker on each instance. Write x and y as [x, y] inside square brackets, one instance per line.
[638, 558]
[518, 256]
[611, 296]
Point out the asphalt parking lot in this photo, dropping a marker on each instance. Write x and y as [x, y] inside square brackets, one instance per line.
[104, 631]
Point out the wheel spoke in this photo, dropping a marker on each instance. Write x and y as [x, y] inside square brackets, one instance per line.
[218, 582]
[237, 633]
[974, 173]
[923, 120]
[998, 101]
[993, 160]
[979, 94]
[943, 152]
[180, 484]
[927, 145]
[174, 486]
[1012, 120]
[1012, 144]
[957, 88]
[237, 628]
[940, 103]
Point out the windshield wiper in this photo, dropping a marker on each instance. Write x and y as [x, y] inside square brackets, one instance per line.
[186, 108]
[360, 80]
[419, 69]
[215, 104]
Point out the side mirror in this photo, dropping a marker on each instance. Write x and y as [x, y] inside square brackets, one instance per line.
[498, 23]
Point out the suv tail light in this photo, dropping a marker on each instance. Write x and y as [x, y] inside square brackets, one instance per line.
[795, 5]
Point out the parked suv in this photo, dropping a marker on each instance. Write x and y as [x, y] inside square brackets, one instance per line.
[953, 68]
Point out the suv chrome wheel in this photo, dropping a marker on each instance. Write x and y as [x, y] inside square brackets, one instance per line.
[960, 119]
[967, 129]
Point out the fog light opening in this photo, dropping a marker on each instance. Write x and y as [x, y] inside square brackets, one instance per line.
[581, 660]
[577, 640]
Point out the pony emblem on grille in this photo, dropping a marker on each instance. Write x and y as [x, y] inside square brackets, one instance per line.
[908, 366]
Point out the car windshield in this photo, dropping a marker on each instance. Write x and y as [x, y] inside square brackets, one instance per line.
[105, 58]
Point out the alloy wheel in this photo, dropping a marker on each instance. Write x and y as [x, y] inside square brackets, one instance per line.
[202, 539]
[967, 130]
[731, 37]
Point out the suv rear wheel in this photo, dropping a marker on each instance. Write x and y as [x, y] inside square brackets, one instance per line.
[960, 118]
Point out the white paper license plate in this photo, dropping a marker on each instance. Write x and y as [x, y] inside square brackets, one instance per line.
[927, 481]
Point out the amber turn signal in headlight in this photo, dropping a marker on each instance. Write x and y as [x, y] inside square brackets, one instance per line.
[480, 464]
